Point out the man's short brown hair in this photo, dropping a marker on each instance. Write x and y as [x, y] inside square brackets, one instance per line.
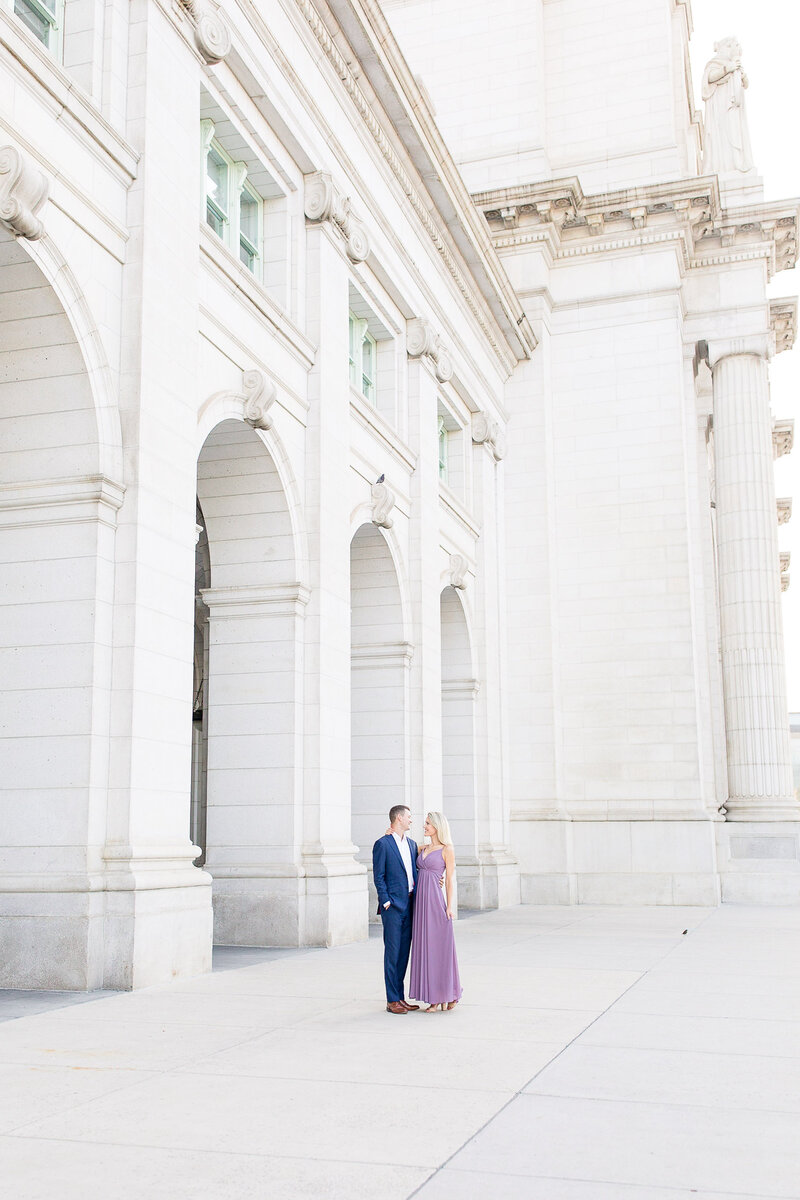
[395, 810]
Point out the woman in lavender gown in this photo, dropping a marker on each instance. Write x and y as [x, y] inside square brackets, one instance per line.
[434, 967]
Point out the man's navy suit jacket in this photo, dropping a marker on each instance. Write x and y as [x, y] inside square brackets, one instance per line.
[389, 873]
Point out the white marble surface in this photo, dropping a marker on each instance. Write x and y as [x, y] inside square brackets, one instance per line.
[598, 1054]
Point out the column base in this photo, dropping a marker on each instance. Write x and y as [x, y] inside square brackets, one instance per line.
[617, 862]
[759, 861]
[491, 880]
[321, 902]
[78, 933]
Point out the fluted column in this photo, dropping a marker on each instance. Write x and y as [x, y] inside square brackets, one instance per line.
[759, 772]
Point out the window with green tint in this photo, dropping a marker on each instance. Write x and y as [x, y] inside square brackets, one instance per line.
[363, 357]
[217, 183]
[442, 450]
[369, 355]
[41, 18]
[249, 232]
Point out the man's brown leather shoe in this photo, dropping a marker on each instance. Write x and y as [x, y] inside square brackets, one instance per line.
[394, 1006]
[409, 1007]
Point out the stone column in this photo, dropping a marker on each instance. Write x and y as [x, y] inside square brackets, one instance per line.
[498, 879]
[425, 583]
[759, 772]
[336, 885]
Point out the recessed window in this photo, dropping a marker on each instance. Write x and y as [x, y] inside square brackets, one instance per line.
[233, 208]
[443, 436]
[43, 18]
[363, 357]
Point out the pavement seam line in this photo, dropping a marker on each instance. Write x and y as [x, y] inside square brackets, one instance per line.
[570, 1043]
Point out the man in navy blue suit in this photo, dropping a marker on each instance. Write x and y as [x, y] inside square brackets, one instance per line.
[394, 868]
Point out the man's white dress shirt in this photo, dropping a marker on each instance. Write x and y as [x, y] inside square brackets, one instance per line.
[405, 854]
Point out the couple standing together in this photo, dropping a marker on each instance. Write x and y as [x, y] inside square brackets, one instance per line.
[416, 918]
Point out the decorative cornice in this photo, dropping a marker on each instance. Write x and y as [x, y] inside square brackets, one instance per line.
[486, 432]
[23, 191]
[324, 202]
[782, 438]
[420, 204]
[691, 209]
[458, 571]
[211, 33]
[783, 322]
[383, 499]
[784, 505]
[423, 341]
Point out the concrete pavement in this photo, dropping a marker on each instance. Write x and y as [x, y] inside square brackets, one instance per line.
[598, 1054]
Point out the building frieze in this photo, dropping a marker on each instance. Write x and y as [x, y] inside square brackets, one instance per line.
[687, 211]
[502, 300]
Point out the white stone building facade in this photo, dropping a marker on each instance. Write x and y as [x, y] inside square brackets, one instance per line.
[384, 417]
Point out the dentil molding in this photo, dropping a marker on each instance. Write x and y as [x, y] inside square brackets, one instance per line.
[486, 432]
[422, 340]
[211, 33]
[324, 202]
[23, 191]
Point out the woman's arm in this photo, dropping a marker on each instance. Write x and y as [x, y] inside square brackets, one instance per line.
[450, 876]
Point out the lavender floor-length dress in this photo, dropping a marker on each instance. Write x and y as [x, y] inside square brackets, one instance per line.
[434, 967]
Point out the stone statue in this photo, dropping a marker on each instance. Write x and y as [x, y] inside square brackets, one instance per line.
[727, 141]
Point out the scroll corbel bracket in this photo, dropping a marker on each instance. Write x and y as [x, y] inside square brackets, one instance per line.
[259, 396]
[211, 33]
[458, 571]
[383, 501]
[23, 191]
[324, 202]
[422, 341]
[486, 432]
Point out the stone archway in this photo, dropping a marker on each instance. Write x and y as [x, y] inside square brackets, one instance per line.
[252, 690]
[459, 689]
[58, 513]
[380, 658]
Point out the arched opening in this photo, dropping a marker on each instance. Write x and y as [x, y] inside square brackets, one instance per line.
[57, 522]
[459, 689]
[379, 681]
[247, 700]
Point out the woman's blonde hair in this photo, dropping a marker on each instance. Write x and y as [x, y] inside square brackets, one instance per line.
[440, 824]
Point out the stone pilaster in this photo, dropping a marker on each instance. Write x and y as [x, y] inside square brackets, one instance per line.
[759, 773]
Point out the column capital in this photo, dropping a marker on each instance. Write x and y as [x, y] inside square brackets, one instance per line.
[757, 345]
[324, 202]
[422, 340]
